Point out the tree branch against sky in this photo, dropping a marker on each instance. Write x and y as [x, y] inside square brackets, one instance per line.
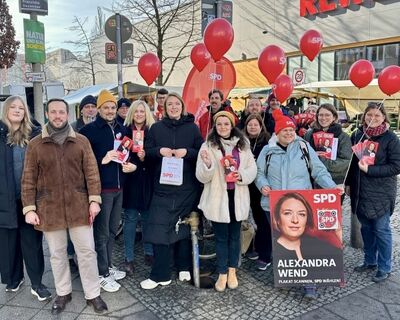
[86, 56]
[9, 46]
[169, 28]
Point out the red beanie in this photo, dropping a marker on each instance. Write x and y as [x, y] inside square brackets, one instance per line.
[282, 121]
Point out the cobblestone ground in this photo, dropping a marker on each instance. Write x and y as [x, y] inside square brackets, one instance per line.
[255, 298]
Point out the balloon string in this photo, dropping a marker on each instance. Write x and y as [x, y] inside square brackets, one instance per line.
[212, 88]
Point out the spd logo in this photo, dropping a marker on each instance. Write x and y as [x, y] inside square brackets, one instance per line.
[327, 219]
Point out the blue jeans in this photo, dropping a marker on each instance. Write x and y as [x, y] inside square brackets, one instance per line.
[105, 228]
[227, 245]
[377, 237]
[130, 221]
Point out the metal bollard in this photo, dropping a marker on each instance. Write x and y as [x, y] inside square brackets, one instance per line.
[193, 221]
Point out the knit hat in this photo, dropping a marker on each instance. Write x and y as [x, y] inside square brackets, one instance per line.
[282, 121]
[105, 96]
[87, 100]
[227, 114]
[123, 102]
[270, 97]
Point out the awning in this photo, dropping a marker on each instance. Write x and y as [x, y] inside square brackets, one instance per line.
[77, 96]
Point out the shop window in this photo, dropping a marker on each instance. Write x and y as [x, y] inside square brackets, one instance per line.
[344, 59]
[327, 66]
[384, 55]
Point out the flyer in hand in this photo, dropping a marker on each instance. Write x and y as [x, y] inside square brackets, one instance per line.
[230, 168]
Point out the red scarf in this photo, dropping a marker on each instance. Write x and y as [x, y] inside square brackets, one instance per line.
[373, 132]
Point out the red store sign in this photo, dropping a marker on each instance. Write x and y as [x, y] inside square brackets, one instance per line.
[313, 7]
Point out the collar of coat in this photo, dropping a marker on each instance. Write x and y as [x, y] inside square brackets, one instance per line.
[46, 136]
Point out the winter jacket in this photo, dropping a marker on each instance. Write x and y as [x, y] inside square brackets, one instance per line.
[101, 137]
[138, 186]
[78, 124]
[373, 194]
[8, 208]
[214, 199]
[60, 181]
[206, 123]
[337, 168]
[169, 203]
[287, 170]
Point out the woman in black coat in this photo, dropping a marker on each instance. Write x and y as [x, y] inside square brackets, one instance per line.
[18, 240]
[373, 190]
[138, 187]
[257, 133]
[176, 135]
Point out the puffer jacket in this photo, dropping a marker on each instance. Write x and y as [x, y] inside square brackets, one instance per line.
[287, 170]
[373, 194]
[337, 168]
[214, 199]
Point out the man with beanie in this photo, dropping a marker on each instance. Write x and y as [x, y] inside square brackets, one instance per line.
[88, 111]
[122, 109]
[206, 122]
[60, 192]
[101, 134]
[273, 104]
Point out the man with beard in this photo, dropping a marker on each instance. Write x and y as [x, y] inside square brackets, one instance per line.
[206, 122]
[253, 107]
[60, 192]
[101, 134]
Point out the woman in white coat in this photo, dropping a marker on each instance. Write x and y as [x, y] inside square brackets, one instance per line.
[225, 200]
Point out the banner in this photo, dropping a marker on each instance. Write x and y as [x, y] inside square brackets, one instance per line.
[306, 237]
[216, 75]
[34, 42]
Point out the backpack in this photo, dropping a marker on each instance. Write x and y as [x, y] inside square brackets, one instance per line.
[305, 157]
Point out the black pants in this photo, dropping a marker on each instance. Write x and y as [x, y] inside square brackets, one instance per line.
[262, 240]
[161, 270]
[21, 244]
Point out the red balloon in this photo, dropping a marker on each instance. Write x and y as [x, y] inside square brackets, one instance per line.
[200, 56]
[218, 38]
[311, 43]
[361, 73]
[149, 67]
[283, 87]
[389, 80]
[271, 62]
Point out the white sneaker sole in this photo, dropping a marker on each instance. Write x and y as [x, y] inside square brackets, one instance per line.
[39, 297]
[156, 284]
[17, 288]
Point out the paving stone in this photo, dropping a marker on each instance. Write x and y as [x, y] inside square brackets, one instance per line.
[46, 315]
[20, 313]
[77, 304]
[26, 299]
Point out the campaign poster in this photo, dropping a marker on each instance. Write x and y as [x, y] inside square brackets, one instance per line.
[307, 237]
[230, 168]
[138, 138]
[123, 150]
[325, 145]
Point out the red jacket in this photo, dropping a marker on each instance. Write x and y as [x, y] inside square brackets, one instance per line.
[206, 124]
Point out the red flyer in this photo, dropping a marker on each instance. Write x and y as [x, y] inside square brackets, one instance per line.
[306, 237]
[369, 151]
[138, 138]
[230, 168]
[123, 150]
[325, 145]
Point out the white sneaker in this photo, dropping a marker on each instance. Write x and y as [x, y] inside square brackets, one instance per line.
[117, 274]
[109, 284]
[149, 284]
[184, 276]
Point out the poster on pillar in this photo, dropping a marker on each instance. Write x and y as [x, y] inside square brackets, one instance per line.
[34, 42]
[306, 227]
[219, 75]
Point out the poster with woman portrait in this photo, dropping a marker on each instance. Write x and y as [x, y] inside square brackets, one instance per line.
[306, 237]
[123, 149]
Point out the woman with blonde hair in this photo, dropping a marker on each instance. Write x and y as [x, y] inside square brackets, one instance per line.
[19, 241]
[138, 185]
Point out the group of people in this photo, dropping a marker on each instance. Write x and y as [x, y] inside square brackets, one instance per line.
[65, 182]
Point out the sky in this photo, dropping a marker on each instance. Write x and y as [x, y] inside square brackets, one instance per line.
[60, 17]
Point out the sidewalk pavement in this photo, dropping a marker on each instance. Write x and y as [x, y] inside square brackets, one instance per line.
[256, 298]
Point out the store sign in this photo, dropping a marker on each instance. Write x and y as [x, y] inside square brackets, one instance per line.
[34, 42]
[34, 6]
[314, 7]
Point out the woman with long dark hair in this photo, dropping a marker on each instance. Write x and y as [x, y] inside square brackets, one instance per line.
[19, 241]
[373, 190]
[225, 200]
[255, 130]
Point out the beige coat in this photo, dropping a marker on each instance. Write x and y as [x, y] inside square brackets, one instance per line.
[214, 199]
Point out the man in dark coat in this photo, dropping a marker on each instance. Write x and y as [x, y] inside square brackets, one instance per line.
[101, 134]
[88, 111]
